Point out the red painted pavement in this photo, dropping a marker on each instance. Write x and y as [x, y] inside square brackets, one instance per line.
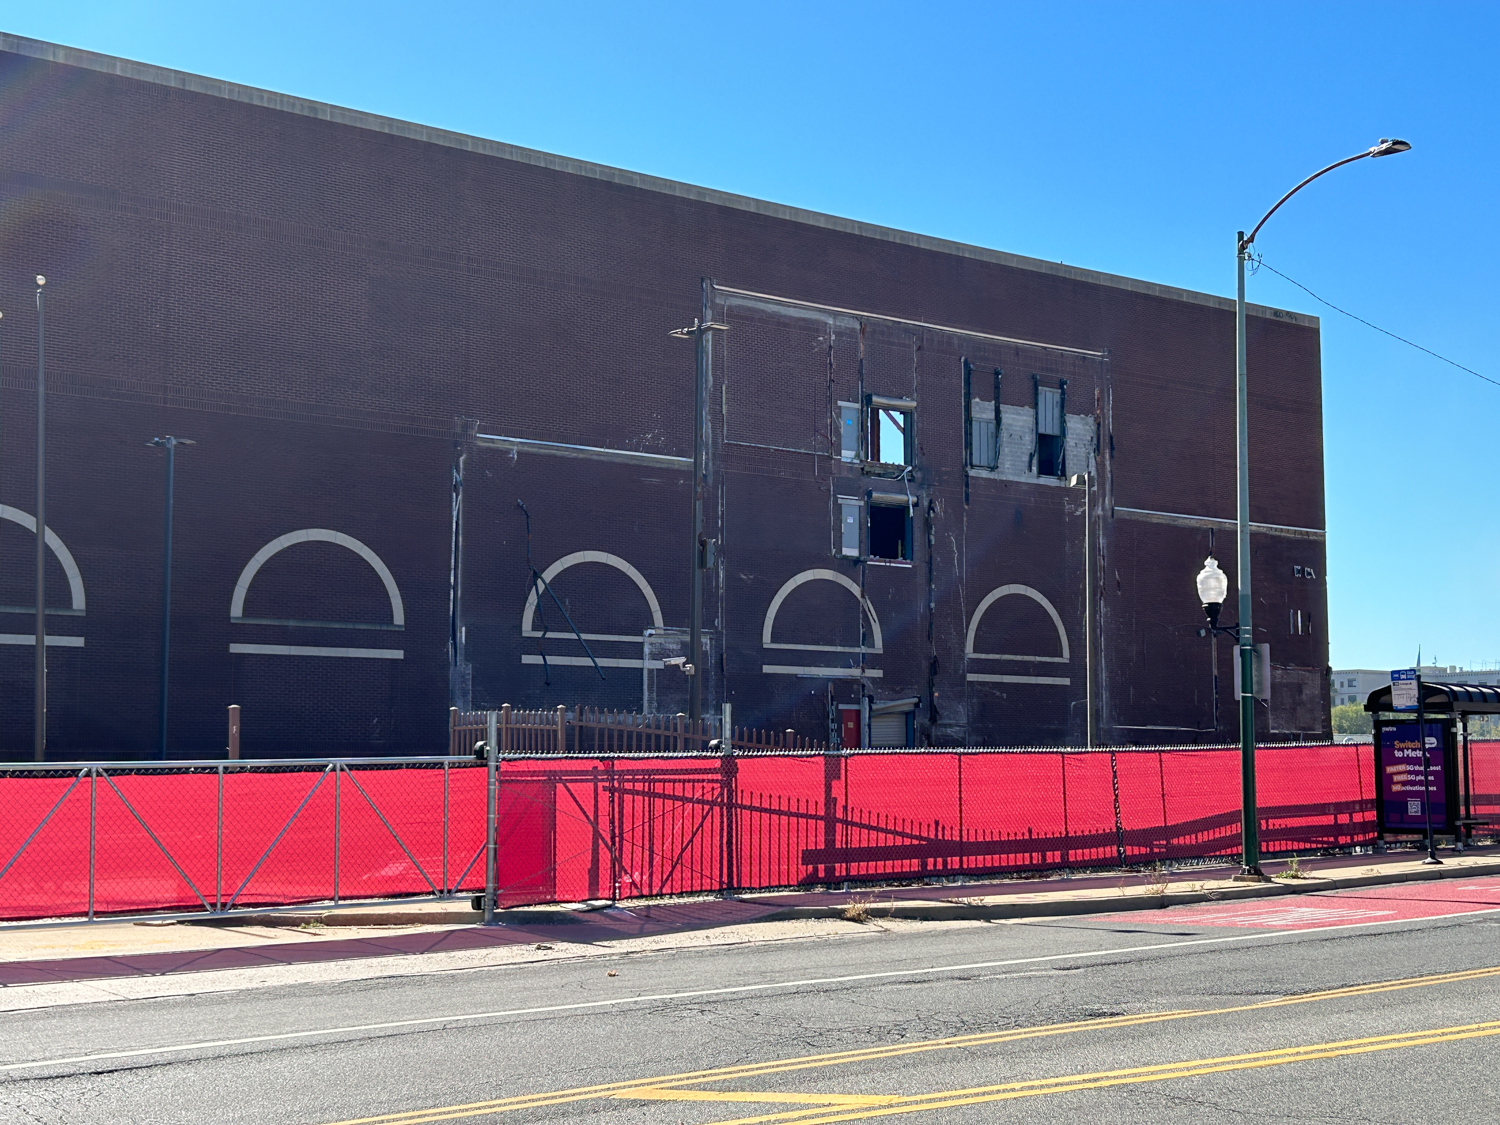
[1400, 902]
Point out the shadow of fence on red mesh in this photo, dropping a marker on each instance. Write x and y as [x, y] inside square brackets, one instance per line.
[643, 828]
[96, 839]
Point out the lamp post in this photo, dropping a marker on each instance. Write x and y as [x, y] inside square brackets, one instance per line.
[704, 550]
[1249, 819]
[170, 444]
[39, 715]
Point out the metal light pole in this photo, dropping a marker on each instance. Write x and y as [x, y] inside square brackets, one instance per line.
[703, 549]
[1249, 815]
[170, 444]
[39, 718]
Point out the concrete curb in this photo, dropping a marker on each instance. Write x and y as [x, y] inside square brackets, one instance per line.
[926, 910]
[954, 911]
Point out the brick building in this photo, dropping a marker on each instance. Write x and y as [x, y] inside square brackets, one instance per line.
[962, 490]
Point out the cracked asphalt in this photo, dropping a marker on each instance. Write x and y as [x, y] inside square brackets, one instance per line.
[1075, 1019]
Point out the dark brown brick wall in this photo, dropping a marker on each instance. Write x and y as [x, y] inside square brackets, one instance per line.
[326, 308]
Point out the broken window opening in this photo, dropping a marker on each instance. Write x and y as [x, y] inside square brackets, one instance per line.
[890, 531]
[889, 430]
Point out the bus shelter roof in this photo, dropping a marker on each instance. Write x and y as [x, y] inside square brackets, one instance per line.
[1444, 699]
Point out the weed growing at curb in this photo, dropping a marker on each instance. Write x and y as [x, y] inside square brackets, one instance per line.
[1157, 879]
[857, 910]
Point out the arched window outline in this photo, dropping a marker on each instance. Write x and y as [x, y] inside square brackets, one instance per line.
[316, 535]
[819, 574]
[1062, 635]
[572, 560]
[564, 563]
[70, 569]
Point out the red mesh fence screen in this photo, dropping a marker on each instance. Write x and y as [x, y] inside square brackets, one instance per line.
[625, 829]
[113, 839]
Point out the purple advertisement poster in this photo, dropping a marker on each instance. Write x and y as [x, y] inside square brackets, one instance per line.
[1401, 778]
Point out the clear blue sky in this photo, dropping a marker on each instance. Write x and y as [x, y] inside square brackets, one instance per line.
[1132, 138]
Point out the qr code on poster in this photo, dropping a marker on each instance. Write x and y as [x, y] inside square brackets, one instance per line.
[1413, 808]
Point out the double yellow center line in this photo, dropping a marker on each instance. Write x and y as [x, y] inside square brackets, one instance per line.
[665, 1087]
[949, 1099]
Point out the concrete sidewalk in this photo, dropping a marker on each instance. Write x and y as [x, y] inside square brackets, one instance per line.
[112, 950]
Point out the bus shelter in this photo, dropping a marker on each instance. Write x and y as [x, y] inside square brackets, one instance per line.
[1427, 771]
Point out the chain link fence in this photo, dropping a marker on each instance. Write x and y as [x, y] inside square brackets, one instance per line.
[92, 840]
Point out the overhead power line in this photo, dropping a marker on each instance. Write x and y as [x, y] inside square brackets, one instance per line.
[1259, 261]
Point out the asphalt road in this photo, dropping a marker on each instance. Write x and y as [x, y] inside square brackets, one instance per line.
[1202, 1015]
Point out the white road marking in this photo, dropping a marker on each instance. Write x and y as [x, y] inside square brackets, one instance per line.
[852, 978]
[1284, 916]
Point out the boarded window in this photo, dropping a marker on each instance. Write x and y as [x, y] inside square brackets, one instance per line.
[1049, 431]
[849, 431]
[984, 443]
[982, 420]
[848, 531]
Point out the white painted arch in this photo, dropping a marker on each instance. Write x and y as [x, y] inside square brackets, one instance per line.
[607, 559]
[59, 549]
[316, 535]
[1024, 591]
[820, 575]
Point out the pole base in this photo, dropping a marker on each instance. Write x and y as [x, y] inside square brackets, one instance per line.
[1251, 875]
[1432, 860]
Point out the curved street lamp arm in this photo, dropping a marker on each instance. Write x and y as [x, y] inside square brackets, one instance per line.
[1337, 164]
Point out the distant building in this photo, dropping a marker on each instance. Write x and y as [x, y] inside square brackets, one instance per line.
[1354, 685]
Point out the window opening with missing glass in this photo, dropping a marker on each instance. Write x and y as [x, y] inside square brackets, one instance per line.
[888, 437]
[982, 433]
[890, 528]
[1049, 456]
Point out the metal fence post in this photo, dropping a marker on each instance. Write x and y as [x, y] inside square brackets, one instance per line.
[1062, 763]
[219, 849]
[729, 770]
[492, 756]
[961, 857]
[562, 729]
[93, 832]
[1114, 780]
[338, 828]
[445, 818]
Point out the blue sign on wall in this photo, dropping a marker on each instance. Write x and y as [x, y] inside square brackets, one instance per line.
[1400, 781]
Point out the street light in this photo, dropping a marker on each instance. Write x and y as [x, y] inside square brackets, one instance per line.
[170, 444]
[1213, 588]
[1249, 818]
